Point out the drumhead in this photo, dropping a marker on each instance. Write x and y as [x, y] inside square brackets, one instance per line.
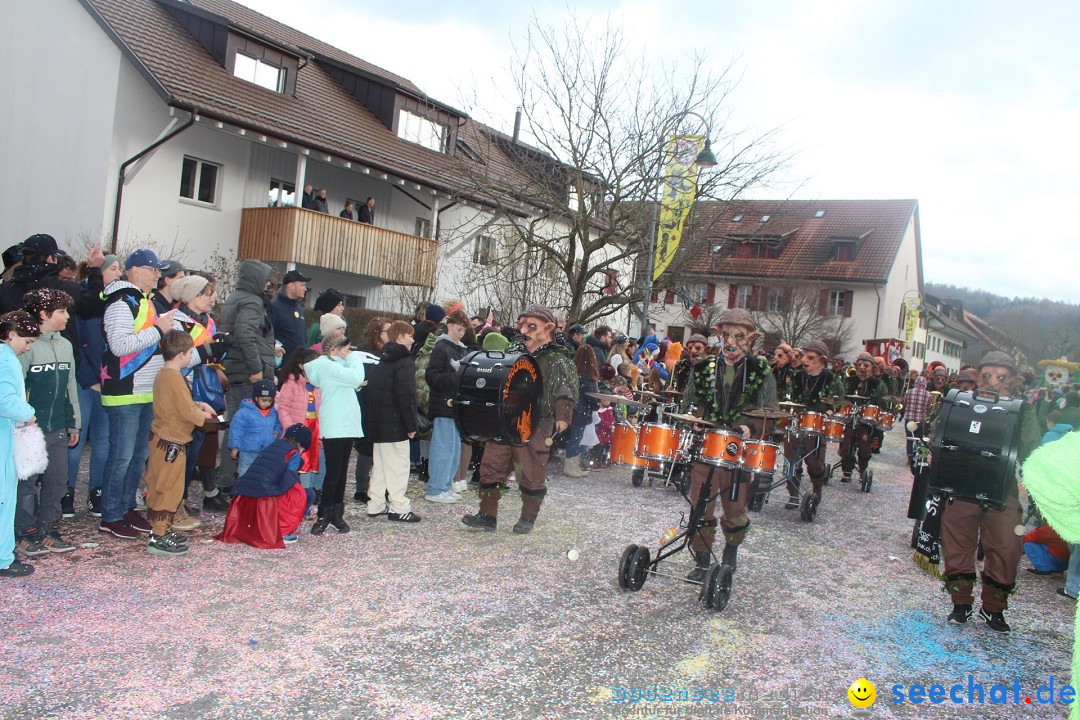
[498, 397]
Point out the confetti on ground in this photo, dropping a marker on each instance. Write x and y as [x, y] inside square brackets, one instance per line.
[435, 621]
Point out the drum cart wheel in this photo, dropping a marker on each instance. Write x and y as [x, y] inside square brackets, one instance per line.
[639, 568]
[637, 477]
[828, 474]
[626, 566]
[808, 506]
[867, 482]
[716, 588]
[757, 503]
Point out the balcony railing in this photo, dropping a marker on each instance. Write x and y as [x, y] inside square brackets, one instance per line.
[306, 237]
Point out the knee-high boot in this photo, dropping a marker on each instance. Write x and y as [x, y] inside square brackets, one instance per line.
[531, 500]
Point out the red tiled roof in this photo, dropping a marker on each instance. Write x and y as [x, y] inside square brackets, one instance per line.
[321, 115]
[808, 248]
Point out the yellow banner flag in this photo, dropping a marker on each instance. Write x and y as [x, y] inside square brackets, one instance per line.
[911, 318]
[679, 192]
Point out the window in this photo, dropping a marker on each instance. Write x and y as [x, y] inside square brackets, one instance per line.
[676, 333]
[282, 194]
[421, 131]
[844, 252]
[700, 293]
[259, 72]
[918, 349]
[484, 251]
[736, 218]
[777, 298]
[422, 227]
[199, 180]
[765, 218]
[356, 301]
[611, 282]
[744, 296]
[764, 251]
[836, 302]
[819, 213]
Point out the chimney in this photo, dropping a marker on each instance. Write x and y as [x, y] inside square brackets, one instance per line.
[517, 124]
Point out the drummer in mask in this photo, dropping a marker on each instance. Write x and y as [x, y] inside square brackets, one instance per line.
[559, 380]
[721, 388]
[696, 348]
[872, 390]
[813, 386]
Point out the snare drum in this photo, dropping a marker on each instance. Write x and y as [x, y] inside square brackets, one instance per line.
[759, 456]
[658, 442]
[887, 421]
[834, 430]
[870, 415]
[845, 413]
[811, 423]
[722, 448]
[623, 444]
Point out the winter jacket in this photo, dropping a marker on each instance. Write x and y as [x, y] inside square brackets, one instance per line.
[250, 430]
[292, 401]
[272, 473]
[585, 406]
[319, 204]
[88, 298]
[91, 346]
[392, 389]
[598, 348]
[13, 409]
[245, 317]
[290, 325]
[1055, 433]
[339, 413]
[440, 375]
[201, 328]
[161, 303]
[49, 365]
[1045, 535]
[421, 335]
[131, 359]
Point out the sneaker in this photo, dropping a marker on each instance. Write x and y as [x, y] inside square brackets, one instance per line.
[67, 505]
[480, 521]
[120, 529]
[17, 569]
[460, 486]
[289, 539]
[93, 501]
[137, 521]
[184, 522]
[1036, 571]
[960, 614]
[56, 544]
[140, 500]
[994, 620]
[408, 517]
[215, 503]
[446, 498]
[29, 547]
[167, 544]
[381, 513]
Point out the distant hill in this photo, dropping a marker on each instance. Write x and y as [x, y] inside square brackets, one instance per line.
[1040, 328]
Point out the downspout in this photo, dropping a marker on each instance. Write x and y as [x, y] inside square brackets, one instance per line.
[134, 159]
[877, 312]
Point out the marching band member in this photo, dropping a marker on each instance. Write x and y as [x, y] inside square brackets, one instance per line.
[964, 521]
[782, 368]
[722, 387]
[696, 348]
[864, 384]
[811, 387]
[559, 379]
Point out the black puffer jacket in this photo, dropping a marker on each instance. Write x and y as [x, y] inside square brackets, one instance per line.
[440, 375]
[390, 396]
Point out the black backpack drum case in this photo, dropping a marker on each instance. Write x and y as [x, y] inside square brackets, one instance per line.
[498, 397]
[975, 447]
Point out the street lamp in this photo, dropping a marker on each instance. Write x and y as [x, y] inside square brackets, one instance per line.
[705, 158]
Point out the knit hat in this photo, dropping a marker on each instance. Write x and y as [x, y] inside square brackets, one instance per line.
[300, 434]
[329, 322]
[736, 316]
[434, 313]
[109, 260]
[188, 288]
[540, 313]
[263, 388]
[328, 300]
[494, 341]
[816, 346]
[607, 372]
[996, 357]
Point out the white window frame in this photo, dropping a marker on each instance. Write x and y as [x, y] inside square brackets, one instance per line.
[259, 72]
[200, 164]
[775, 301]
[836, 302]
[744, 296]
[422, 131]
[283, 197]
[484, 250]
[422, 228]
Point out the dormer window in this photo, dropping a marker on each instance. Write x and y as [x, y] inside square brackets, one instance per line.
[260, 72]
[422, 131]
[757, 249]
[843, 250]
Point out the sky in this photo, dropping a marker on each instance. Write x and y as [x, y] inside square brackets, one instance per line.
[970, 107]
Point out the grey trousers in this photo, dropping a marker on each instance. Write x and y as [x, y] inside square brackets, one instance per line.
[37, 506]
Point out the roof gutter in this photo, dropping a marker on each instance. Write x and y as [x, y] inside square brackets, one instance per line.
[134, 159]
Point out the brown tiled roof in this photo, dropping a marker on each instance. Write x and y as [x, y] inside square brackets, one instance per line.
[322, 115]
[808, 242]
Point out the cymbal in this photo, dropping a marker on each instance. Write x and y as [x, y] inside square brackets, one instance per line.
[835, 401]
[788, 403]
[690, 419]
[616, 399]
[892, 398]
[646, 393]
[766, 413]
[856, 397]
[672, 391]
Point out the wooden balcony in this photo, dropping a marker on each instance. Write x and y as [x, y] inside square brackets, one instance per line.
[306, 237]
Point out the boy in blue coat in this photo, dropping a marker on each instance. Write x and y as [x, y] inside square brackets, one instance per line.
[254, 426]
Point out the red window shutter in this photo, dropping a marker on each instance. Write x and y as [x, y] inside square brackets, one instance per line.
[755, 297]
[669, 297]
[849, 295]
[744, 250]
[731, 292]
[823, 303]
[710, 295]
[654, 297]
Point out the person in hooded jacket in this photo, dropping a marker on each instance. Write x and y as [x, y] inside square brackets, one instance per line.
[245, 319]
[392, 389]
[445, 453]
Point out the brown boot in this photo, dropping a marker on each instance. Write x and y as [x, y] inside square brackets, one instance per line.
[531, 500]
[485, 518]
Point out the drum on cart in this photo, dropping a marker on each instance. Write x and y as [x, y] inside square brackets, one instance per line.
[498, 397]
[759, 456]
[721, 448]
[659, 442]
[624, 440]
[784, 424]
[845, 413]
[834, 430]
[870, 414]
[811, 423]
[887, 421]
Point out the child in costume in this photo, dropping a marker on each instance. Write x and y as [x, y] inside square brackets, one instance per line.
[17, 333]
[254, 426]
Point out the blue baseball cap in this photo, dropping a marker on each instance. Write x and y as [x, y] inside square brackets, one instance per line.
[143, 258]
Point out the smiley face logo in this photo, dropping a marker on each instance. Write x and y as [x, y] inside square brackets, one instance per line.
[862, 693]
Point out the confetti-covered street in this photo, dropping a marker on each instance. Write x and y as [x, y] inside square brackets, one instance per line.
[437, 621]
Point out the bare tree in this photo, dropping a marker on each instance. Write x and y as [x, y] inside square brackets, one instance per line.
[791, 311]
[600, 122]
